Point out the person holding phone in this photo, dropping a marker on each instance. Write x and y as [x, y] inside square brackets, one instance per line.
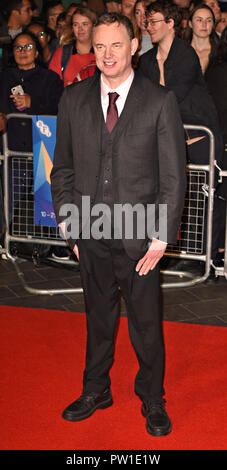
[29, 88]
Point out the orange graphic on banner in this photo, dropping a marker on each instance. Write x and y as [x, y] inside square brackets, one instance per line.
[47, 162]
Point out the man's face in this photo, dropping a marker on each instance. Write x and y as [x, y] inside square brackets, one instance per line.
[213, 4]
[182, 3]
[69, 14]
[60, 28]
[25, 13]
[158, 28]
[113, 51]
[53, 14]
[113, 7]
[222, 23]
[127, 7]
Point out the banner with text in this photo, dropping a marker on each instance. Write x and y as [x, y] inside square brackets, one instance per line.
[44, 138]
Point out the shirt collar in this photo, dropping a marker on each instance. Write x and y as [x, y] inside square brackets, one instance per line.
[122, 89]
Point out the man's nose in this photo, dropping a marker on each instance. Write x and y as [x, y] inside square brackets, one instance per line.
[108, 52]
[148, 27]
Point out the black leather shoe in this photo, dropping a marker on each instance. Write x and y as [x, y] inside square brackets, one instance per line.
[87, 404]
[157, 421]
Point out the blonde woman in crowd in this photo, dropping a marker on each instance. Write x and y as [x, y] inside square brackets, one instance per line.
[76, 53]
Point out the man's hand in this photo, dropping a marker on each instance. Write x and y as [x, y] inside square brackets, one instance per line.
[75, 248]
[152, 257]
[21, 101]
[76, 251]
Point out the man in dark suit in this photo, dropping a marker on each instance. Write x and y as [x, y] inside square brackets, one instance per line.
[124, 149]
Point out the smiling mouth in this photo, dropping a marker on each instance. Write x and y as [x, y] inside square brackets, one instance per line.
[109, 63]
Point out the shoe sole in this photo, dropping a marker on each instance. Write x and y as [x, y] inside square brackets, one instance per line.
[69, 416]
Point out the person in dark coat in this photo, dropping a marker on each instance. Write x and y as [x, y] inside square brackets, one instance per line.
[216, 80]
[42, 90]
[120, 143]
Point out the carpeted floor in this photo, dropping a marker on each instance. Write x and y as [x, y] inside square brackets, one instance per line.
[42, 361]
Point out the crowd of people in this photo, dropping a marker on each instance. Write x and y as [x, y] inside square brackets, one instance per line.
[182, 45]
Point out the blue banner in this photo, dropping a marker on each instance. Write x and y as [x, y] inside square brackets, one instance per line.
[44, 138]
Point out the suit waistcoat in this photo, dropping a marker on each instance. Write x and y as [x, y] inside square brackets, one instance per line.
[104, 192]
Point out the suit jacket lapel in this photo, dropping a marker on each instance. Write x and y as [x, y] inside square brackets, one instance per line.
[132, 103]
[94, 101]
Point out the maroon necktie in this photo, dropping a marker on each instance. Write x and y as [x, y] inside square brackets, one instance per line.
[112, 114]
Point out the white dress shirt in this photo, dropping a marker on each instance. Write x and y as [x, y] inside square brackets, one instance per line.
[122, 91]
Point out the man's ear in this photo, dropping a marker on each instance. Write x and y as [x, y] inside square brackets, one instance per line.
[134, 45]
[171, 23]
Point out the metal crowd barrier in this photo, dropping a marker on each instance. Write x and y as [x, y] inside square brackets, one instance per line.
[222, 271]
[195, 234]
[2, 249]
[21, 199]
[190, 243]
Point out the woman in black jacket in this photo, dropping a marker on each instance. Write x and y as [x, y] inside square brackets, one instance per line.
[200, 33]
[216, 80]
[41, 90]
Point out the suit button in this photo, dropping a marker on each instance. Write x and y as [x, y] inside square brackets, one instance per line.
[106, 181]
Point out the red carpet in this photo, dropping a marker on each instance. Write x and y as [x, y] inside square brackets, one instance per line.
[42, 355]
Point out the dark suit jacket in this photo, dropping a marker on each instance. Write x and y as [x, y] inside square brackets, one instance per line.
[148, 151]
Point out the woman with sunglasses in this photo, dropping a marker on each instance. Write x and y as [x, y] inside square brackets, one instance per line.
[29, 88]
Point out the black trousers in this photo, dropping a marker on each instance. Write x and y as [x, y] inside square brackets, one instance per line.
[105, 266]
